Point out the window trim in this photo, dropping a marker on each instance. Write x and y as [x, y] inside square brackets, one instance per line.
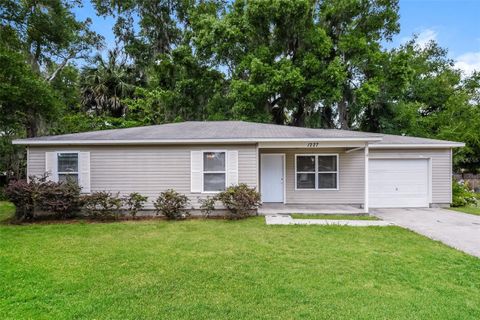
[203, 170]
[316, 172]
[58, 173]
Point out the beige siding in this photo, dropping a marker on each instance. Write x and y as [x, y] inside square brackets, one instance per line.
[148, 170]
[351, 184]
[152, 169]
[441, 163]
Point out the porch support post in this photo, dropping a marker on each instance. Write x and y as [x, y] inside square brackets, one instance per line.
[365, 204]
[257, 154]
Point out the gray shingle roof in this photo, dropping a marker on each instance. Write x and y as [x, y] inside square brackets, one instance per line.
[222, 130]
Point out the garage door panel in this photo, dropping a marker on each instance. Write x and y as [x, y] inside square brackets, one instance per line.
[398, 183]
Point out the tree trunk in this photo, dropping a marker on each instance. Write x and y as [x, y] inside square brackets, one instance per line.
[343, 114]
[326, 117]
[299, 117]
[31, 127]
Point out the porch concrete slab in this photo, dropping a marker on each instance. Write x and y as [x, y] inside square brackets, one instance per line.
[278, 219]
[280, 208]
[288, 220]
[455, 229]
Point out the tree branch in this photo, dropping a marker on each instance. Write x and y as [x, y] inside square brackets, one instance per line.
[59, 68]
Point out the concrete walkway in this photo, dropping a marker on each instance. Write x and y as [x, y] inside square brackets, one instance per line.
[458, 230]
[288, 220]
[280, 208]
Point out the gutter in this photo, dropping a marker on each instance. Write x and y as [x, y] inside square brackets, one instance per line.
[182, 141]
[417, 146]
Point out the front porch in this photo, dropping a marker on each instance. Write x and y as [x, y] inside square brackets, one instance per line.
[313, 178]
[281, 208]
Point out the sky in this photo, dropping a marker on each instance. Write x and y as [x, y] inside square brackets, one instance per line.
[454, 24]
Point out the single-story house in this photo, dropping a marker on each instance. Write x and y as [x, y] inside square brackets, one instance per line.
[288, 165]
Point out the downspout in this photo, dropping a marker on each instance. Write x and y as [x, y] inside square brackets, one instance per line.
[28, 164]
[365, 204]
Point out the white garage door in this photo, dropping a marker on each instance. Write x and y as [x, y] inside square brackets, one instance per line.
[397, 183]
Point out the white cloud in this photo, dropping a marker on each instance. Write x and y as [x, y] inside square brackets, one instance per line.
[422, 38]
[468, 62]
[425, 36]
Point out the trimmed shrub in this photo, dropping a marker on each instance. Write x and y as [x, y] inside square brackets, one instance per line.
[172, 205]
[24, 196]
[60, 198]
[207, 205]
[462, 195]
[102, 204]
[3, 195]
[240, 200]
[134, 202]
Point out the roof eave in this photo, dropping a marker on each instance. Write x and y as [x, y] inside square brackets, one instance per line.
[184, 141]
[417, 145]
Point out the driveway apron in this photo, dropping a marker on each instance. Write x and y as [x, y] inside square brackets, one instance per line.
[458, 230]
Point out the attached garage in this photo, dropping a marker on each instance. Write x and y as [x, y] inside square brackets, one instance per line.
[397, 183]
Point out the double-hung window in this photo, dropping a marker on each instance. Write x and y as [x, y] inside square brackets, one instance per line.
[67, 166]
[316, 172]
[214, 171]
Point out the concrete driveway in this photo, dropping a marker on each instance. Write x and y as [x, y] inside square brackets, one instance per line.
[458, 230]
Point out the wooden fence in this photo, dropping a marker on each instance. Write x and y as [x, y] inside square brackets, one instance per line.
[473, 180]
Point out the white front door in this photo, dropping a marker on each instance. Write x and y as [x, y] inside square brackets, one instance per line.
[394, 183]
[271, 169]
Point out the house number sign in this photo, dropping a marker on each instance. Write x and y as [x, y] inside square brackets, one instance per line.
[312, 145]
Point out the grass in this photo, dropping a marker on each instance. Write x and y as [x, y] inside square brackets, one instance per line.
[469, 210]
[216, 269]
[6, 210]
[332, 216]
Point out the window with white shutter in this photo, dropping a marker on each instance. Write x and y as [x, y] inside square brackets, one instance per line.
[214, 171]
[232, 170]
[196, 171]
[51, 166]
[69, 166]
[84, 171]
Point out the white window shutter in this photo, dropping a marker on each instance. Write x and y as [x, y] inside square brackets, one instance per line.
[51, 166]
[84, 171]
[232, 168]
[196, 163]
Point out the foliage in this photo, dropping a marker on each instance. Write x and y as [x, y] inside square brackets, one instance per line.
[462, 195]
[24, 95]
[24, 196]
[207, 205]
[172, 205]
[47, 36]
[60, 198]
[297, 62]
[102, 204]
[294, 62]
[106, 84]
[80, 122]
[240, 200]
[134, 202]
[3, 196]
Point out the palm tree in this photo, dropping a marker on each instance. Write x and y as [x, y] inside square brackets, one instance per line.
[106, 84]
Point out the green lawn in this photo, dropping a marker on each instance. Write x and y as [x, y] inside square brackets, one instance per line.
[332, 216]
[469, 210]
[216, 269]
[6, 210]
